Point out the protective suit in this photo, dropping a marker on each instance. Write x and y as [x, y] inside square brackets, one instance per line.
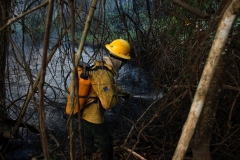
[103, 96]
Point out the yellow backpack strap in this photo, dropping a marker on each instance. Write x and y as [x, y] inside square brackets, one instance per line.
[101, 65]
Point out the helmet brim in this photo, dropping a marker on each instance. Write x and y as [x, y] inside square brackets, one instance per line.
[108, 46]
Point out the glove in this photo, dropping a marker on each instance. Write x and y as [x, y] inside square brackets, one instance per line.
[127, 96]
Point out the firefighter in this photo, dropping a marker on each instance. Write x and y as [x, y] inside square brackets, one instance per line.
[93, 120]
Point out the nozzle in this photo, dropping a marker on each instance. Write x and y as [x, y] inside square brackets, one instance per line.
[85, 66]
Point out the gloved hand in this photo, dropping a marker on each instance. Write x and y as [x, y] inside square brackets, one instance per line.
[127, 95]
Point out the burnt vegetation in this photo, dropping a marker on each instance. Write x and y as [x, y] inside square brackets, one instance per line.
[169, 48]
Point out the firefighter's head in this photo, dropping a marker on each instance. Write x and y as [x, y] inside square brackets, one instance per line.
[119, 48]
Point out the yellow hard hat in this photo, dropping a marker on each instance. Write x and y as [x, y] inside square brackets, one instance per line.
[119, 48]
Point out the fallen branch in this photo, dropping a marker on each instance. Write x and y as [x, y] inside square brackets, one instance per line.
[136, 154]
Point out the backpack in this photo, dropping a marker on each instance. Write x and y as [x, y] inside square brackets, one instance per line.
[84, 84]
[101, 79]
[103, 83]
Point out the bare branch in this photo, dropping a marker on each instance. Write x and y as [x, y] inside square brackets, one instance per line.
[190, 9]
[24, 14]
[57, 143]
[41, 113]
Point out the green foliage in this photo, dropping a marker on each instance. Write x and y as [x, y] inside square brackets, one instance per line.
[34, 26]
[174, 19]
[236, 26]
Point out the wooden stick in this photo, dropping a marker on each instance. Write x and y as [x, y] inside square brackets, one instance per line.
[136, 154]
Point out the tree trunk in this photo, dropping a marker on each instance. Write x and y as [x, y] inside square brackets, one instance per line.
[4, 5]
[200, 144]
[3, 51]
